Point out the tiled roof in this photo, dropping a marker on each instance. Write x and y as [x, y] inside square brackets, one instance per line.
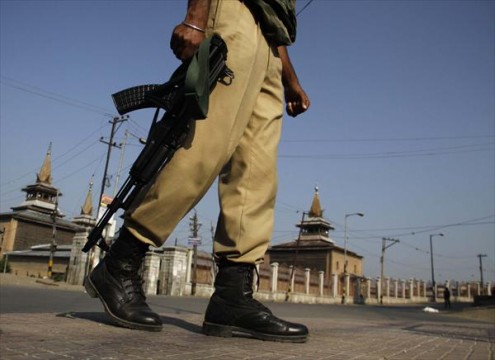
[41, 218]
[63, 251]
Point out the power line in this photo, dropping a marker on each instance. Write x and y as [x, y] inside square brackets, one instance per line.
[421, 229]
[304, 7]
[137, 127]
[431, 138]
[53, 96]
[56, 159]
[398, 154]
[98, 159]
[430, 227]
[54, 168]
[476, 221]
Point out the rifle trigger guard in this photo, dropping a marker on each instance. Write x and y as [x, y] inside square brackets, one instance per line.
[227, 77]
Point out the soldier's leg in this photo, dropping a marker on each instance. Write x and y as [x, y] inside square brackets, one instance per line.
[247, 190]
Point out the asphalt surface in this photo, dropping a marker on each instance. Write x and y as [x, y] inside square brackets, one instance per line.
[39, 320]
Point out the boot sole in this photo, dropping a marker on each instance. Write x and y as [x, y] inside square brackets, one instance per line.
[212, 329]
[93, 292]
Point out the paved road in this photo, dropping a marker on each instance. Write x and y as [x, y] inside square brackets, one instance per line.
[46, 322]
[47, 299]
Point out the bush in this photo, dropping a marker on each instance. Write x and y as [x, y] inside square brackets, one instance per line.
[58, 277]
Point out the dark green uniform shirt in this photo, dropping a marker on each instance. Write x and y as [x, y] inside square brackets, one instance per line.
[277, 19]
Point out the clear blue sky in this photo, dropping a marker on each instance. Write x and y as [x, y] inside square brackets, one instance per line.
[401, 128]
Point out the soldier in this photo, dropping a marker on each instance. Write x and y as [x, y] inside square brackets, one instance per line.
[236, 143]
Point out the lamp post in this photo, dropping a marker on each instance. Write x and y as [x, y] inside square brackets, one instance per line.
[434, 296]
[346, 293]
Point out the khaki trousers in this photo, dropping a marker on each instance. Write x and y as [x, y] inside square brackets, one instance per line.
[237, 142]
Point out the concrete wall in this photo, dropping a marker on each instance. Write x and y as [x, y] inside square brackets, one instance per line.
[37, 267]
[281, 283]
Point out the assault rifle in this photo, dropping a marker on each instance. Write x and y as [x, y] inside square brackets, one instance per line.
[184, 98]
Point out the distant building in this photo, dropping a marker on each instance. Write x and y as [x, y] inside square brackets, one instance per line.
[34, 262]
[78, 265]
[314, 249]
[35, 221]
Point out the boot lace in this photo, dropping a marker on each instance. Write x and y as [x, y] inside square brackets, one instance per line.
[130, 277]
[248, 287]
[133, 283]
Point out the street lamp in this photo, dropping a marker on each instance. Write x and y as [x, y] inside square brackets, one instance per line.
[434, 297]
[345, 251]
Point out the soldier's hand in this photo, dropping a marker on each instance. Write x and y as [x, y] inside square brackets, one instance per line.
[185, 41]
[296, 100]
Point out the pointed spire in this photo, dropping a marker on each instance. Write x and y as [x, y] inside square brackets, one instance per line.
[315, 210]
[45, 174]
[87, 208]
[315, 227]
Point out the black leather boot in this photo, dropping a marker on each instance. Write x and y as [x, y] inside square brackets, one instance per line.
[116, 282]
[233, 310]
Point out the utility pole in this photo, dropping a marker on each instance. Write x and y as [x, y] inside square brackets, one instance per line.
[53, 244]
[121, 146]
[481, 269]
[6, 257]
[212, 232]
[2, 232]
[382, 260]
[94, 255]
[111, 144]
[194, 239]
[213, 267]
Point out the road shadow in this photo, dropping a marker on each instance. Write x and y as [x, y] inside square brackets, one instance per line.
[186, 325]
[103, 318]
